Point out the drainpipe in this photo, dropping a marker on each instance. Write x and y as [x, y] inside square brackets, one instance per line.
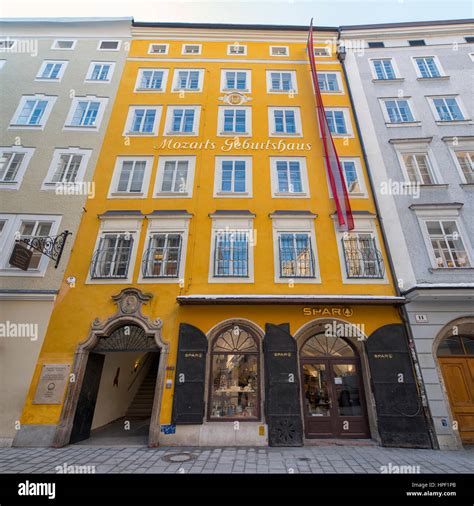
[402, 309]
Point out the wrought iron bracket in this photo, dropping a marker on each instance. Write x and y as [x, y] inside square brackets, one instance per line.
[51, 246]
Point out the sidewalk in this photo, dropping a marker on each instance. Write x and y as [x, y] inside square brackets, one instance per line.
[315, 459]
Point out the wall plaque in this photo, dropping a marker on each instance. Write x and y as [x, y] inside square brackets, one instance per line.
[51, 384]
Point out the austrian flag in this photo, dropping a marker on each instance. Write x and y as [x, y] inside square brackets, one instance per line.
[333, 165]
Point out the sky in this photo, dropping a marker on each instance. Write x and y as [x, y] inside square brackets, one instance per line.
[289, 12]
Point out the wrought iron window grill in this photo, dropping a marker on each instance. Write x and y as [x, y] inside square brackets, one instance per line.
[362, 258]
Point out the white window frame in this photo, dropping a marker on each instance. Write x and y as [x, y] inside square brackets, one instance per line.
[218, 193]
[169, 121]
[361, 226]
[294, 224]
[406, 124]
[460, 104]
[305, 194]
[293, 91]
[347, 121]
[185, 46]
[130, 117]
[44, 119]
[116, 225]
[340, 87]
[248, 80]
[28, 153]
[396, 70]
[248, 121]
[176, 89]
[90, 70]
[11, 227]
[64, 64]
[441, 214]
[171, 224]
[91, 98]
[164, 81]
[286, 48]
[85, 153]
[113, 189]
[119, 43]
[442, 73]
[150, 48]
[236, 54]
[272, 123]
[55, 45]
[231, 224]
[462, 145]
[418, 148]
[188, 193]
[360, 176]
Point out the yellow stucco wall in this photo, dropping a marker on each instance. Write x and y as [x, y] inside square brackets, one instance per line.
[77, 307]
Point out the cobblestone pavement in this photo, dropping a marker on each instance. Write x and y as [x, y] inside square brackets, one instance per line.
[309, 459]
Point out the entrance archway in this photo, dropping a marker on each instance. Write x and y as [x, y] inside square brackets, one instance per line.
[455, 354]
[332, 389]
[128, 330]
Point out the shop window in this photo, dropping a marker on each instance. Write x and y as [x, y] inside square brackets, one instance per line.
[234, 376]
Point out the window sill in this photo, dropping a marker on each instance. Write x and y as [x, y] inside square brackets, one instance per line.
[290, 195]
[234, 90]
[231, 194]
[435, 269]
[437, 78]
[140, 134]
[151, 90]
[186, 90]
[396, 80]
[178, 134]
[467, 185]
[127, 195]
[402, 125]
[235, 134]
[48, 80]
[454, 122]
[434, 185]
[23, 125]
[172, 194]
[105, 81]
[286, 134]
[81, 127]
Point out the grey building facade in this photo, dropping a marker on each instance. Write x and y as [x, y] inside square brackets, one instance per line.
[58, 80]
[412, 88]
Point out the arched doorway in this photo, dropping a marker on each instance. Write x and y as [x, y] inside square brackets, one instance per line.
[456, 358]
[332, 389]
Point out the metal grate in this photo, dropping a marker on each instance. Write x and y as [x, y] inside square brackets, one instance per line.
[362, 258]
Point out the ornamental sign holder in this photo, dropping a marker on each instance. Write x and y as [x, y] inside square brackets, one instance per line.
[51, 246]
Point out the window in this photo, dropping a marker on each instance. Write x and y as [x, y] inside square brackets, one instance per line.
[182, 120]
[234, 121]
[469, 40]
[131, 176]
[143, 120]
[281, 82]
[284, 121]
[162, 257]
[86, 112]
[465, 160]
[427, 67]
[236, 49]
[235, 80]
[30, 229]
[446, 108]
[51, 71]
[100, 72]
[321, 51]
[383, 69]
[13, 164]
[33, 111]
[337, 122]
[109, 45]
[233, 176]
[417, 43]
[447, 244]
[158, 49]
[329, 81]
[279, 51]
[234, 392]
[362, 258]
[289, 177]
[353, 177]
[175, 176]
[64, 44]
[231, 254]
[151, 79]
[376, 44]
[191, 48]
[418, 168]
[295, 255]
[398, 111]
[188, 80]
[111, 259]
[67, 166]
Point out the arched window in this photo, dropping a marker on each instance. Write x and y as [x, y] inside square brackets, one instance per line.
[456, 345]
[234, 392]
[322, 345]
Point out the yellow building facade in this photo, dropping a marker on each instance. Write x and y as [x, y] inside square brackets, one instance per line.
[210, 297]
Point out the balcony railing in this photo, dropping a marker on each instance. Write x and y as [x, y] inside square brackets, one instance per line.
[362, 258]
[161, 262]
[111, 263]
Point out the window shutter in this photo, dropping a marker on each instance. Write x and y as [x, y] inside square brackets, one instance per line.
[188, 403]
[282, 388]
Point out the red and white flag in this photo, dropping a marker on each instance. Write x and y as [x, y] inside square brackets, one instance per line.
[333, 165]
